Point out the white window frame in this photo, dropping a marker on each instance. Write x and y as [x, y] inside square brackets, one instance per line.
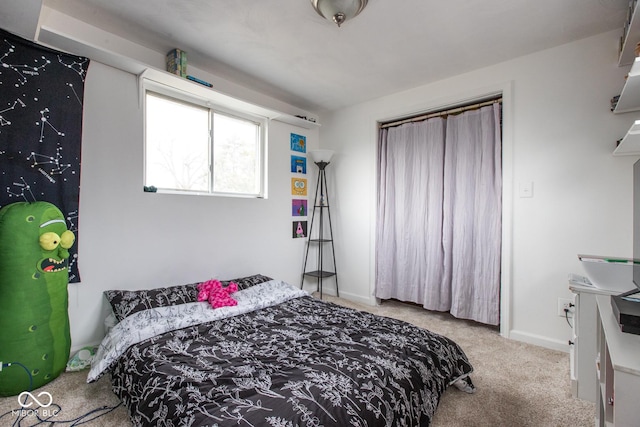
[174, 88]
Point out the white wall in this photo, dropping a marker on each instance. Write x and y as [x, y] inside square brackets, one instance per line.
[559, 134]
[129, 239]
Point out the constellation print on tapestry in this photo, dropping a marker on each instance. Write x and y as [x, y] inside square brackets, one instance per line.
[24, 189]
[57, 167]
[3, 120]
[70, 85]
[23, 70]
[72, 224]
[79, 66]
[72, 221]
[44, 120]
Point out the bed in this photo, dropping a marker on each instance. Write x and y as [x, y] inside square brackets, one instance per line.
[279, 358]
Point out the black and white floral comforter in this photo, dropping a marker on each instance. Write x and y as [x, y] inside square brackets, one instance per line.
[279, 358]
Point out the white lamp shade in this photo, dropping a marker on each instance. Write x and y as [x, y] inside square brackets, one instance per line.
[321, 155]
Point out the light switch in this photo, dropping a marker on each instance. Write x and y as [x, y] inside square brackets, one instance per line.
[526, 189]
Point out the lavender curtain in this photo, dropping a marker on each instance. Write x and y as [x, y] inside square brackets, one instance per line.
[438, 235]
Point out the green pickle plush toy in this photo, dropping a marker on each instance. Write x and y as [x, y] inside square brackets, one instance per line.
[34, 320]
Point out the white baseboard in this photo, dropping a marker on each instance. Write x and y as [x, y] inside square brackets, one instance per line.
[357, 298]
[539, 340]
[331, 290]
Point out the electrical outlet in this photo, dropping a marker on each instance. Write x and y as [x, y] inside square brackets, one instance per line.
[565, 304]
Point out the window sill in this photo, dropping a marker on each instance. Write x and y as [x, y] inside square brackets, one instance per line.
[202, 193]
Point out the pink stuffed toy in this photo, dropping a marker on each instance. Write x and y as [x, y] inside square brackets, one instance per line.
[217, 295]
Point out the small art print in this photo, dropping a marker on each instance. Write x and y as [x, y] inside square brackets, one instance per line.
[298, 164]
[299, 186]
[298, 143]
[299, 229]
[299, 207]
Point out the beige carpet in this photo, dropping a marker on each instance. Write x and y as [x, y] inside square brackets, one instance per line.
[518, 384]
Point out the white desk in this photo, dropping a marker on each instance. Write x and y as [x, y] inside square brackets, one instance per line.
[582, 353]
[617, 369]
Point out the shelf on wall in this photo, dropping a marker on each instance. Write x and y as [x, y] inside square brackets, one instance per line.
[94, 48]
[630, 97]
[204, 92]
[631, 38]
[297, 121]
[630, 144]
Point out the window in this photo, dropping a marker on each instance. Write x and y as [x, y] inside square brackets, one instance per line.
[193, 147]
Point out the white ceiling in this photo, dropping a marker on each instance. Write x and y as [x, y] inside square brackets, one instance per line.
[283, 48]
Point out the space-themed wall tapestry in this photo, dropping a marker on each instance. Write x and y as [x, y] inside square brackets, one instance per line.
[41, 97]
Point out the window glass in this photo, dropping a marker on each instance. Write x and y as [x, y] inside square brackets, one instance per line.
[236, 154]
[177, 145]
[191, 147]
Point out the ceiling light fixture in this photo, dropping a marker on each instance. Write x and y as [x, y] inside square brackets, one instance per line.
[338, 11]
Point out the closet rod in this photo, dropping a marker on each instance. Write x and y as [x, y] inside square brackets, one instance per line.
[442, 113]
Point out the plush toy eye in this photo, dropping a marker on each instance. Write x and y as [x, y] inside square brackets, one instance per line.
[49, 241]
[67, 239]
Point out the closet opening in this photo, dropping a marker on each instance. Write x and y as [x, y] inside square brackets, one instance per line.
[439, 210]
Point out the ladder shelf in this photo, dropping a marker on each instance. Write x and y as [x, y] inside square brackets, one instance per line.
[320, 205]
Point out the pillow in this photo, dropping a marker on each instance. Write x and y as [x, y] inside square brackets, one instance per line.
[247, 282]
[125, 303]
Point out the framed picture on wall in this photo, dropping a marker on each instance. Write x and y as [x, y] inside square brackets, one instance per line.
[299, 186]
[299, 229]
[298, 143]
[298, 164]
[299, 207]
